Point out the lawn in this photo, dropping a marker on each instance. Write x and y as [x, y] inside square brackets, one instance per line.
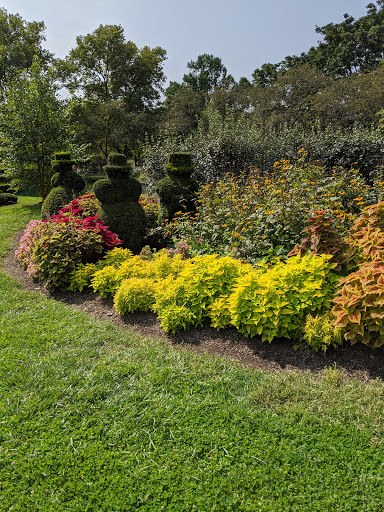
[94, 418]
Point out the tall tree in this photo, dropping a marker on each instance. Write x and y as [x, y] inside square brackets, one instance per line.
[20, 43]
[116, 83]
[206, 73]
[32, 127]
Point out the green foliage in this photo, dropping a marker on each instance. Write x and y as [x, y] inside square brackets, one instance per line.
[119, 266]
[21, 42]
[56, 199]
[256, 215]
[81, 276]
[33, 127]
[118, 160]
[177, 191]
[235, 144]
[185, 301]
[66, 182]
[273, 302]
[179, 164]
[319, 332]
[7, 198]
[120, 209]
[135, 294]
[121, 85]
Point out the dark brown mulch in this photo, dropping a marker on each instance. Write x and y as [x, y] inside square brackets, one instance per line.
[357, 361]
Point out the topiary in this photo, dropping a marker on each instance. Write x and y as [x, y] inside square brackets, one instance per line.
[177, 190]
[66, 185]
[119, 197]
[6, 198]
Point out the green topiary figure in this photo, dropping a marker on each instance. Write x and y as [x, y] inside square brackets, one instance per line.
[177, 191]
[66, 183]
[119, 196]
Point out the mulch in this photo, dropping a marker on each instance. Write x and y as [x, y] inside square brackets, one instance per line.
[356, 361]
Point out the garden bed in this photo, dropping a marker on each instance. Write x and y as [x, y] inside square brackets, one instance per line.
[357, 361]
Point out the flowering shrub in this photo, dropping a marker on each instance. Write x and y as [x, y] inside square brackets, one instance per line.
[51, 249]
[257, 215]
[84, 206]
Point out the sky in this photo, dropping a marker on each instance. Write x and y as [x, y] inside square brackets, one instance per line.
[245, 34]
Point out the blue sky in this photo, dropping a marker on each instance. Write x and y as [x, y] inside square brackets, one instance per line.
[245, 33]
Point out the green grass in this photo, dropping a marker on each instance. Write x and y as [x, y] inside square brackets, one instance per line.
[94, 418]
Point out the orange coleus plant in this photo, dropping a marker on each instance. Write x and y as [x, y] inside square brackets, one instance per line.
[359, 304]
[321, 237]
[366, 236]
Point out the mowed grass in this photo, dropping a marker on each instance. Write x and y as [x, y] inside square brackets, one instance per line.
[96, 419]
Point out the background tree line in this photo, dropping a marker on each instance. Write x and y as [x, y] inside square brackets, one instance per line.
[108, 95]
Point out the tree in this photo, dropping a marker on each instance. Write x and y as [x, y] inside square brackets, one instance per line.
[207, 73]
[20, 43]
[32, 127]
[116, 84]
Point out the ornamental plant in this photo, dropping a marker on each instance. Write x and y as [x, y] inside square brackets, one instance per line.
[320, 333]
[66, 184]
[359, 304]
[273, 302]
[135, 294]
[50, 250]
[258, 215]
[119, 197]
[185, 301]
[151, 207]
[321, 237]
[366, 236]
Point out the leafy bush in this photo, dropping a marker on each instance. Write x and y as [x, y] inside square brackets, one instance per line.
[273, 302]
[359, 304]
[84, 206]
[185, 301]
[228, 144]
[135, 294]
[322, 238]
[359, 308]
[256, 215]
[50, 250]
[7, 198]
[81, 276]
[320, 333]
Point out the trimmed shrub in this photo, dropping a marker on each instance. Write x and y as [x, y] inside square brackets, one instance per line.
[119, 197]
[7, 198]
[66, 184]
[177, 191]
